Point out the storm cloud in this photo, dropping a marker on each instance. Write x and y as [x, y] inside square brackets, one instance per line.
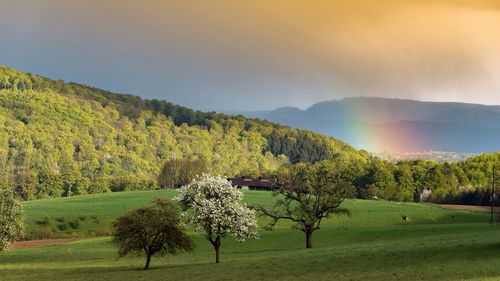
[261, 54]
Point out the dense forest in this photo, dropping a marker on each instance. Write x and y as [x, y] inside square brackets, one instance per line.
[59, 139]
[465, 182]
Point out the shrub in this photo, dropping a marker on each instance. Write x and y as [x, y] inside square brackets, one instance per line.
[82, 218]
[74, 224]
[96, 220]
[62, 226]
[60, 219]
[42, 233]
[44, 222]
[103, 230]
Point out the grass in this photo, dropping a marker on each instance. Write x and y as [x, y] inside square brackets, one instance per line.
[98, 211]
[373, 244]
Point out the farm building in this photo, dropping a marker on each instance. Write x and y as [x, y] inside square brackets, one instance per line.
[251, 183]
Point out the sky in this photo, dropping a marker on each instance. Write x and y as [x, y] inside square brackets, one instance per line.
[247, 55]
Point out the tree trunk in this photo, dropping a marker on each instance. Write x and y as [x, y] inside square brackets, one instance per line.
[148, 260]
[216, 244]
[217, 250]
[309, 234]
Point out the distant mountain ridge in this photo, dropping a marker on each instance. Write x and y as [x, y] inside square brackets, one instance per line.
[398, 125]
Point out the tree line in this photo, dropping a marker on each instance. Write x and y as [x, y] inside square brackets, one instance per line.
[466, 182]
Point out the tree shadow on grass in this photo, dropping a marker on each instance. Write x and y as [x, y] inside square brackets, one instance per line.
[448, 217]
[440, 257]
[387, 263]
[139, 267]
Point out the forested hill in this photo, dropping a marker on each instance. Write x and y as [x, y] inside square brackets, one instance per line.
[58, 137]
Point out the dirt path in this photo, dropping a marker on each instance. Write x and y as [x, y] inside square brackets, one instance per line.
[469, 208]
[39, 243]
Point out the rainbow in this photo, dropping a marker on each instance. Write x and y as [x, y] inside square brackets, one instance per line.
[358, 131]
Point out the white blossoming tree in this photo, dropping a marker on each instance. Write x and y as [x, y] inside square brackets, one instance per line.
[218, 210]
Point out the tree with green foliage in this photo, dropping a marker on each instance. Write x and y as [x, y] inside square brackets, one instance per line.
[405, 185]
[152, 230]
[11, 218]
[307, 194]
[443, 180]
[218, 210]
[377, 180]
[307, 147]
[179, 172]
[420, 170]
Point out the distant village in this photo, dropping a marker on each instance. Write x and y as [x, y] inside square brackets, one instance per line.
[439, 156]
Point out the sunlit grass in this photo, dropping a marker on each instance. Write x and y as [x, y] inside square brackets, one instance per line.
[373, 244]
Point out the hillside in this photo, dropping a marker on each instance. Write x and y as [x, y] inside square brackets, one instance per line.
[399, 126]
[59, 138]
[373, 244]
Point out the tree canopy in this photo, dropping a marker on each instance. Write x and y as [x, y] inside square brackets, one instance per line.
[218, 210]
[11, 218]
[306, 194]
[152, 230]
[179, 172]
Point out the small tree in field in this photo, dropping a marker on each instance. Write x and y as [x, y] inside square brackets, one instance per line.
[11, 219]
[306, 194]
[154, 230]
[218, 210]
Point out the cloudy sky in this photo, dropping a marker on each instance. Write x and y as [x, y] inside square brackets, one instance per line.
[261, 54]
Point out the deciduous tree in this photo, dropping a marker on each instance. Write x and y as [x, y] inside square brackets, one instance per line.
[11, 218]
[306, 194]
[154, 230]
[178, 172]
[218, 210]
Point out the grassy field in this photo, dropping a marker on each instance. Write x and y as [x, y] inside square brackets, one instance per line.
[373, 244]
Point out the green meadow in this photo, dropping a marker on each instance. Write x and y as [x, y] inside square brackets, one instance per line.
[374, 243]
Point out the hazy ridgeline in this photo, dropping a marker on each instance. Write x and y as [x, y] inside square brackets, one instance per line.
[399, 126]
[59, 139]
